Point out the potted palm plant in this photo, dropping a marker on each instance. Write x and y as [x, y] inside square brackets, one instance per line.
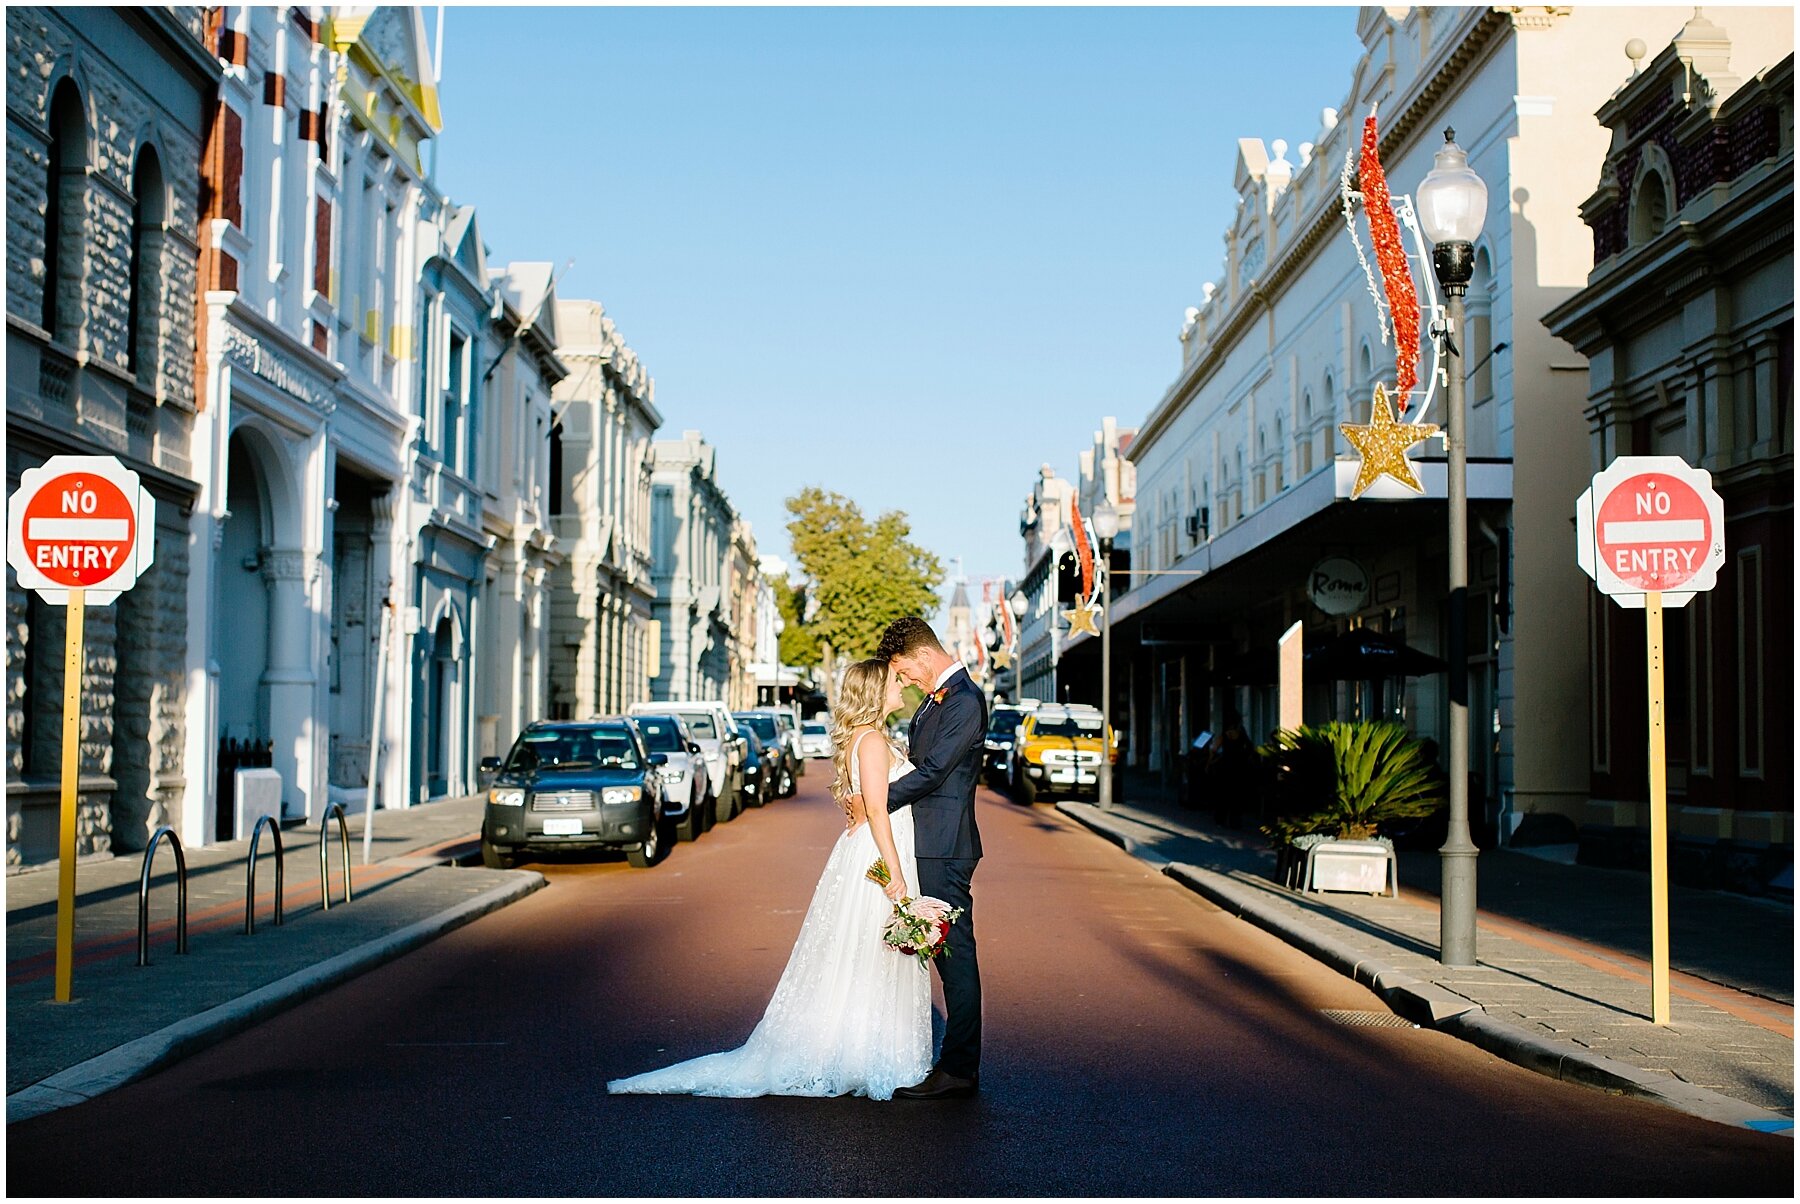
[1336, 784]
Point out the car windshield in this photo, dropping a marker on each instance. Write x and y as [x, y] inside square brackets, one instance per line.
[1003, 722]
[813, 729]
[564, 749]
[661, 735]
[785, 720]
[1072, 726]
[701, 726]
[763, 725]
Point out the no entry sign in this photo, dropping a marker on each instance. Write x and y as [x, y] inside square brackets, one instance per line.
[1651, 524]
[80, 522]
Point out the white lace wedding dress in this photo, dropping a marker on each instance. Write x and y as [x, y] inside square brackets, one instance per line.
[850, 1015]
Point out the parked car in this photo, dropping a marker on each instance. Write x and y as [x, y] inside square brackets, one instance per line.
[788, 719]
[815, 739]
[709, 724]
[684, 777]
[590, 785]
[781, 769]
[762, 777]
[1059, 749]
[1003, 725]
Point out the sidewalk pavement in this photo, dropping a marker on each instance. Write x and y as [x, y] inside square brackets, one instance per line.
[1560, 986]
[126, 1021]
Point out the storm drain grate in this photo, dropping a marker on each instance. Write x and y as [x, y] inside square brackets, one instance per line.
[1366, 1019]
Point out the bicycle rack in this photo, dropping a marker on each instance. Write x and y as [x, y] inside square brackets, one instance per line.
[143, 958]
[343, 843]
[267, 821]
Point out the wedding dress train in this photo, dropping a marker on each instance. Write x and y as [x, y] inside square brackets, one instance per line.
[850, 1015]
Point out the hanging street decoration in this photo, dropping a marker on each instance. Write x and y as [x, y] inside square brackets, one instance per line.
[1002, 658]
[1082, 617]
[1383, 443]
[1390, 256]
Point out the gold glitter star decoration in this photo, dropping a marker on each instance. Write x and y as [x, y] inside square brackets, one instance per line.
[1002, 659]
[1383, 444]
[1083, 616]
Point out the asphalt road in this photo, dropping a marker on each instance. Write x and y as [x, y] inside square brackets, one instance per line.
[1138, 1042]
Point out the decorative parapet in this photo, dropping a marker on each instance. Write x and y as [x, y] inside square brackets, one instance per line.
[1674, 131]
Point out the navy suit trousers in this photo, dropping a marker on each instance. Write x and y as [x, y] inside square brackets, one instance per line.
[948, 878]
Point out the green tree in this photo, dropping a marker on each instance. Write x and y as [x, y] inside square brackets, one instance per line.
[799, 645]
[864, 574]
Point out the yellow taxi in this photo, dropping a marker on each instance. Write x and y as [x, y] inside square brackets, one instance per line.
[1058, 749]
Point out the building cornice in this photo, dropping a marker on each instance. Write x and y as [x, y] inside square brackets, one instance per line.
[1326, 216]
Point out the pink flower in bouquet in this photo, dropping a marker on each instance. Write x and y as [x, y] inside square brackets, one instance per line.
[931, 910]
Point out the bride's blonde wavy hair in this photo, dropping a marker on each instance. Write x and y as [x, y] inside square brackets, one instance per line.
[861, 702]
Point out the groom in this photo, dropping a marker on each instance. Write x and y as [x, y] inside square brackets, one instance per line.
[945, 745]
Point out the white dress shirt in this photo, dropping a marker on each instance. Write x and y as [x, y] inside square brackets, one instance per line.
[943, 678]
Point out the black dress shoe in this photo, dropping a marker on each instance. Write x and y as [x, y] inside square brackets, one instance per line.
[941, 1085]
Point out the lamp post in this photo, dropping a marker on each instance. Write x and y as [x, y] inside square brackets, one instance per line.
[1018, 603]
[1106, 526]
[1452, 202]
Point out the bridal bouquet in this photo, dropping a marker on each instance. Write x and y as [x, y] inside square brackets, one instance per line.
[918, 926]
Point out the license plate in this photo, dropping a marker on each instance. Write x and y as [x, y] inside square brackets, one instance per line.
[562, 827]
[1062, 775]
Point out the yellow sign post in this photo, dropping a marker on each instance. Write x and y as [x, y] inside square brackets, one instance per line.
[1659, 815]
[79, 529]
[73, 660]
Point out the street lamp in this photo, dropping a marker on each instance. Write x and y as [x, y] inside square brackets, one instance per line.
[1106, 525]
[1452, 202]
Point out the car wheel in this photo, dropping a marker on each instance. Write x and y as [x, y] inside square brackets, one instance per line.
[691, 824]
[724, 808]
[494, 859]
[787, 783]
[1028, 791]
[646, 854]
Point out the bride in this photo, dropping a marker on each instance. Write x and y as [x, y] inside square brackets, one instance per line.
[850, 1014]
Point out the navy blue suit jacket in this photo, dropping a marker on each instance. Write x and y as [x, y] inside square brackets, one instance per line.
[945, 744]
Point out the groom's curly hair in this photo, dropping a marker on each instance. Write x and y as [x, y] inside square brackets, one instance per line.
[904, 636]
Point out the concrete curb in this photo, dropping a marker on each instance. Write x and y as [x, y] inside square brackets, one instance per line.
[136, 1059]
[1427, 1003]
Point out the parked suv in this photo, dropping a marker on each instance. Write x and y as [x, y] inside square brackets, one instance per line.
[575, 785]
[779, 772]
[709, 724]
[684, 777]
[1059, 749]
[815, 739]
[1003, 725]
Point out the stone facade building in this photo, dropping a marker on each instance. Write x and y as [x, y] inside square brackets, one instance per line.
[602, 599]
[1687, 323]
[107, 115]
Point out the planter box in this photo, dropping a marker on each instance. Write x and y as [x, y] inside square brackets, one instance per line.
[1362, 866]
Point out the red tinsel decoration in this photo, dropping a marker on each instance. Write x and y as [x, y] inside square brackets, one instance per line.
[1396, 276]
[1083, 552]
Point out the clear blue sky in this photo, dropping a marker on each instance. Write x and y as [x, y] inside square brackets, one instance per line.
[905, 254]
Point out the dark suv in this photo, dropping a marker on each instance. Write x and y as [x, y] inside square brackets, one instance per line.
[588, 785]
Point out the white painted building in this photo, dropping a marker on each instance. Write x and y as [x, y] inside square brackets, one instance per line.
[603, 626]
[1244, 478]
[690, 539]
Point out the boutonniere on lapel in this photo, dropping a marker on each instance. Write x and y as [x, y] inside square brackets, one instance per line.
[938, 695]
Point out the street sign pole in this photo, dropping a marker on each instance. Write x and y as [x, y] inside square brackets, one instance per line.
[1659, 815]
[73, 660]
[1650, 531]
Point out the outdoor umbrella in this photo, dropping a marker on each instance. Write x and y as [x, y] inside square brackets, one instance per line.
[1362, 655]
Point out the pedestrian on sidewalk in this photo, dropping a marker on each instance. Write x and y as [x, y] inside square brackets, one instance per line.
[1231, 778]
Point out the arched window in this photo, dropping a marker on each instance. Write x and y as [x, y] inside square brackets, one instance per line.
[1649, 208]
[1280, 456]
[147, 218]
[65, 166]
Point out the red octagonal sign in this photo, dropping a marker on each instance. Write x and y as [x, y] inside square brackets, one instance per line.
[1652, 524]
[80, 522]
